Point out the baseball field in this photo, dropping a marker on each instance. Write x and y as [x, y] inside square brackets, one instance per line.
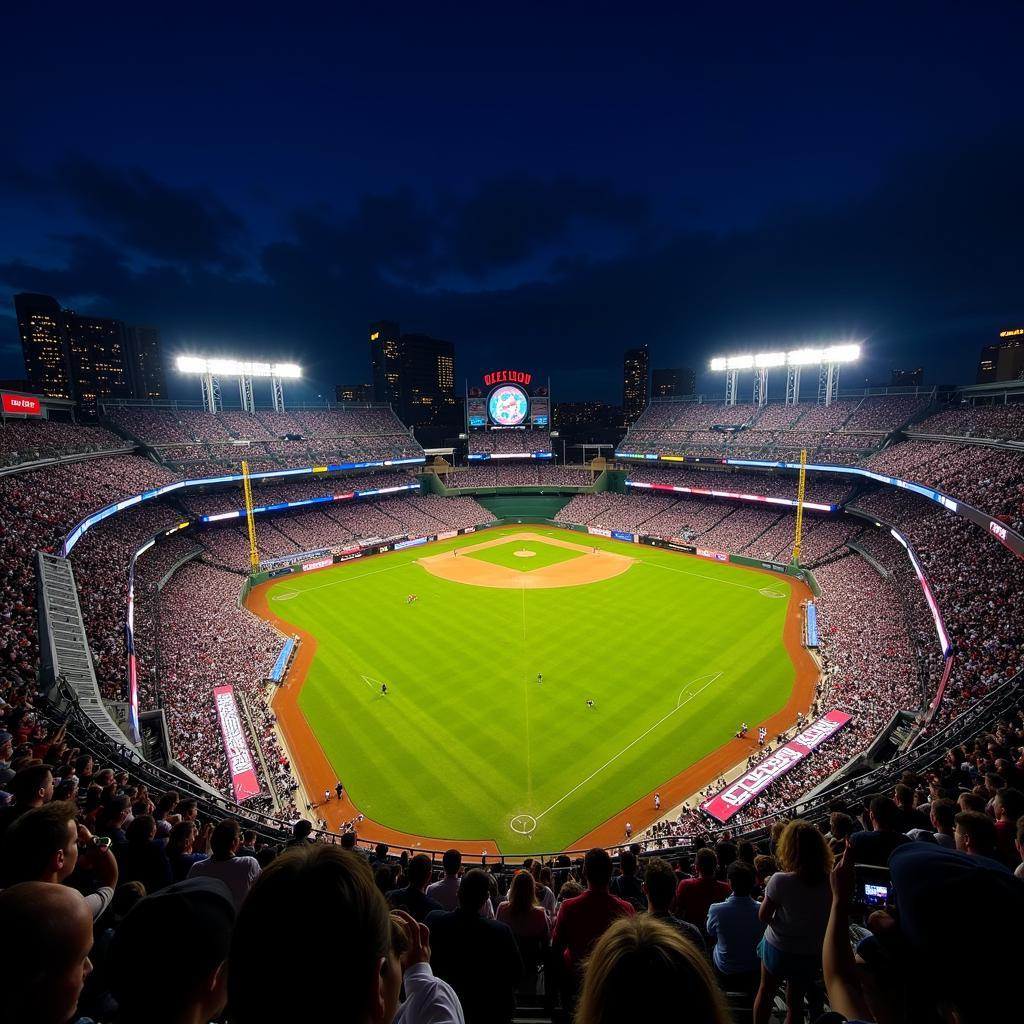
[542, 684]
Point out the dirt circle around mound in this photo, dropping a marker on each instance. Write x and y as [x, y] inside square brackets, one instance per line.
[594, 565]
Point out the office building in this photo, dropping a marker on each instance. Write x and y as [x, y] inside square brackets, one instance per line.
[44, 345]
[99, 359]
[86, 358]
[353, 393]
[415, 374]
[673, 383]
[635, 374]
[1003, 361]
[145, 362]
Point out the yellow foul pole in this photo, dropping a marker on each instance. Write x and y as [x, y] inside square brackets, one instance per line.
[799, 506]
[254, 557]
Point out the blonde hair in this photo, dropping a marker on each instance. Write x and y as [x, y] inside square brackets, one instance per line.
[522, 893]
[803, 849]
[642, 958]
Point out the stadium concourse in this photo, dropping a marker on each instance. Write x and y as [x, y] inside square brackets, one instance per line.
[933, 753]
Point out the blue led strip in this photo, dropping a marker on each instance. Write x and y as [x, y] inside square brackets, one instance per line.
[119, 506]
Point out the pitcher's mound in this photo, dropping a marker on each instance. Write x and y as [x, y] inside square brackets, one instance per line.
[523, 553]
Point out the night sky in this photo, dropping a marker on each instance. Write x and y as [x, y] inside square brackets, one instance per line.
[544, 188]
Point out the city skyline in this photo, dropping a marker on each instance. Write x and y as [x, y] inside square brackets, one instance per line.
[667, 178]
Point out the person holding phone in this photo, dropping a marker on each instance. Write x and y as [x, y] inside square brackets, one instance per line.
[46, 844]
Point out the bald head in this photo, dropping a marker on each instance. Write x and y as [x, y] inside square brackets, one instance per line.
[45, 965]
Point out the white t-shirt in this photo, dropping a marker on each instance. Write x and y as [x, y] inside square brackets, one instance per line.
[237, 873]
[802, 913]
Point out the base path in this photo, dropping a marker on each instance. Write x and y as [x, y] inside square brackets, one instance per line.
[311, 766]
[593, 566]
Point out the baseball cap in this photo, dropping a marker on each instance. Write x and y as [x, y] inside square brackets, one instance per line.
[187, 925]
[5, 737]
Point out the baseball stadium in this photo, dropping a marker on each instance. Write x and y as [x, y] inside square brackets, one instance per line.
[299, 622]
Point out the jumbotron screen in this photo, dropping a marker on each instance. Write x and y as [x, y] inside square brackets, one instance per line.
[508, 405]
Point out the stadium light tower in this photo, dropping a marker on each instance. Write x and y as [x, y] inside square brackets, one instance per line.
[211, 370]
[828, 359]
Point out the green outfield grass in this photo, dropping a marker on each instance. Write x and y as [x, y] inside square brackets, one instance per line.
[510, 555]
[675, 653]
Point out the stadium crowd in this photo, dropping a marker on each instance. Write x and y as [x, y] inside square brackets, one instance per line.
[28, 440]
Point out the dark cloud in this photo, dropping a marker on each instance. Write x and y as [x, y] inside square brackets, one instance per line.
[927, 266]
[509, 220]
[187, 225]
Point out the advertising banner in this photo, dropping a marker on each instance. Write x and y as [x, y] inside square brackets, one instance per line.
[320, 563]
[240, 762]
[597, 531]
[718, 556]
[415, 542]
[448, 534]
[724, 804]
[619, 535]
[21, 405]
[678, 545]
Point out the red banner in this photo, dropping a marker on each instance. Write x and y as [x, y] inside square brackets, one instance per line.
[724, 804]
[240, 762]
[23, 405]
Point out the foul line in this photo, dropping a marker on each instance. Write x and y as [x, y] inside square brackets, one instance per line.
[687, 572]
[347, 579]
[714, 677]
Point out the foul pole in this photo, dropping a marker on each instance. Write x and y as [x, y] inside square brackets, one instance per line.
[254, 557]
[799, 506]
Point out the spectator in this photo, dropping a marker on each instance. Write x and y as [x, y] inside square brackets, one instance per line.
[43, 846]
[660, 887]
[582, 920]
[356, 953]
[795, 909]
[975, 834]
[695, 895]
[32, 787]
[626, 885]
[413, 898]
[941, 813]
[48, 929]
[765, 866]
[529, 925]
[736, 929]
[875, 846]
[142, 858]
[1008, 807]
[478, 958]
[237, 873]
[248, 847]
[189, 925]
[446, 892]
[911, 816]
[942, 896]
[643, 962]
[301, 831]
[186, 846]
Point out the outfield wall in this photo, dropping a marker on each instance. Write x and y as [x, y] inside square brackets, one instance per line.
[377, 547]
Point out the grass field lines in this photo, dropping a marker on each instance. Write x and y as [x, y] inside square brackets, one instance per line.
[681, 702]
